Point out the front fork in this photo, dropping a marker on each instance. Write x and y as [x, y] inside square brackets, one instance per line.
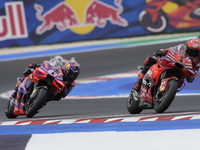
[34, 93]
[163, 85]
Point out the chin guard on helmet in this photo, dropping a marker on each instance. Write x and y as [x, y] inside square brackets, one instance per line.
[71, 70]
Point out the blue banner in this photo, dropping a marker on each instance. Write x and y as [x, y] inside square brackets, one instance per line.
[35, 22]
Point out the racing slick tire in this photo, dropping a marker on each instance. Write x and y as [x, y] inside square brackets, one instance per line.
[35, 103]
[163, 102]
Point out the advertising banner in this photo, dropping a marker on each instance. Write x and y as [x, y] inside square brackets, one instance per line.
[36, 22]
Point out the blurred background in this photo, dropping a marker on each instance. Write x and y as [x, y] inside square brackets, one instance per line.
[39, 22]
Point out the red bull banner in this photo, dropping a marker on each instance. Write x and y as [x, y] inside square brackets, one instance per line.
[36, 22]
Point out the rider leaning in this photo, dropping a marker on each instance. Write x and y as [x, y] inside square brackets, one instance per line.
[192, 49]
[70, 72]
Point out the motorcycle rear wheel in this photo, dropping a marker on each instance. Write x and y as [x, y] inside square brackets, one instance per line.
[133, 105]
[161, 104]
[9, 112]
[37, 103]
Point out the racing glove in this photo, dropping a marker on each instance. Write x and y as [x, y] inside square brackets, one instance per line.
[160, 52]
[27, 72]
[33, 65]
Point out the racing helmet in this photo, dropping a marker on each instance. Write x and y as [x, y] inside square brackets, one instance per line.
[71, 70]
[193, 47]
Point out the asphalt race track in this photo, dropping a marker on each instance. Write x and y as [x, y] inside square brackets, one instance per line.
[93, 64]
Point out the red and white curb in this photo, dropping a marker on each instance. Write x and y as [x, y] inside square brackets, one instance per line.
[102, 120]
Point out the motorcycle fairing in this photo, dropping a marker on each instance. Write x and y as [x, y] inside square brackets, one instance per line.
[150, 79]
[24, 89]
[44, 71]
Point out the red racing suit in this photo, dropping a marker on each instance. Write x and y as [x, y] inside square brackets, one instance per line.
[182, 49]
[162, 52]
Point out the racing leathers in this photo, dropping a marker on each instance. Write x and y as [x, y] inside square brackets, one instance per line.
[162, 52]
[27, 83]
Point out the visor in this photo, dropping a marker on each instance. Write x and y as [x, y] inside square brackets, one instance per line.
[193, 53]
[73, 74]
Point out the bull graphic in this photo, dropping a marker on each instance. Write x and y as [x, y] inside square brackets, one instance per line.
[62, 16]
[98, 13]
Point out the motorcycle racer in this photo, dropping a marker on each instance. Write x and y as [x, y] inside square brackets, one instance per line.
[69, 69]
[191, 50]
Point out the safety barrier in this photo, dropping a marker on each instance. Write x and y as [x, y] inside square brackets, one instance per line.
[36, 22]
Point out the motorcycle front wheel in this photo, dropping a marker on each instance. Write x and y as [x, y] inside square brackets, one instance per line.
[164, 100]
[133, 105]
[34, 104]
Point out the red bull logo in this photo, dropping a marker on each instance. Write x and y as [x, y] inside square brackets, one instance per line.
[62, 16]
[13, 24]
[98, 13]
[80, 19]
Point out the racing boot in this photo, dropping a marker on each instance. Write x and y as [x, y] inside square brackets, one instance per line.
[144, 104]
[143, 70]
[136, 89]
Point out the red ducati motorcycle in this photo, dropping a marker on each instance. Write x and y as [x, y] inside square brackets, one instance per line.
[179, 14]
[161, 82]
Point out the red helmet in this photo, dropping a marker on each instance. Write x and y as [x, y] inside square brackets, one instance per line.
[71, 70]
[193, 47]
